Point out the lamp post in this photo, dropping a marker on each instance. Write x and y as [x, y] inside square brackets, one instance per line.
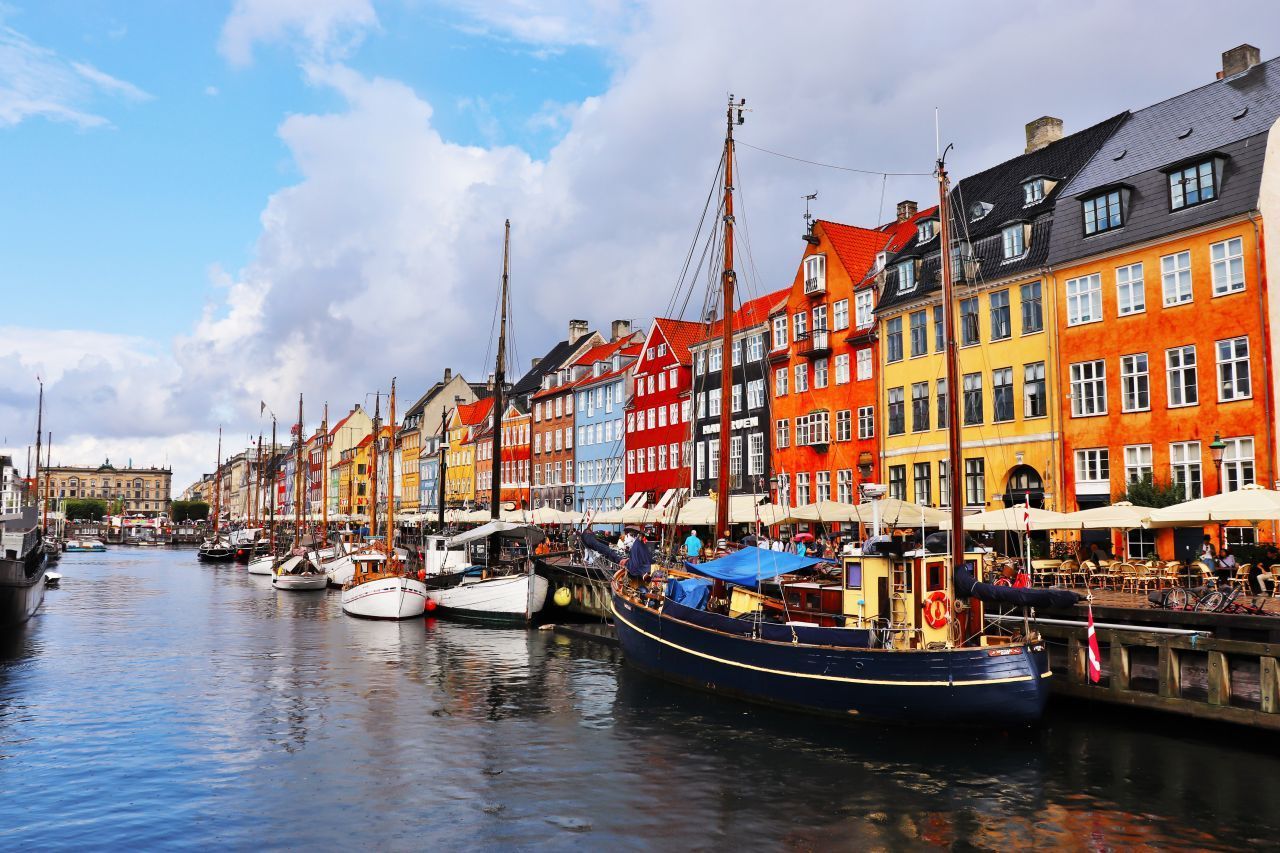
[1216, 449]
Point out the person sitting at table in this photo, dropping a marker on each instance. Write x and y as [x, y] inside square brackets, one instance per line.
[1226, 566]
[1261, 576]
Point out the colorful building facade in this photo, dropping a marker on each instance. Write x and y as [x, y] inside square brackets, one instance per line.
[659, 447]
[600, 401]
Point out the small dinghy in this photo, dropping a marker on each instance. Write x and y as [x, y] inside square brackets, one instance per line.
[299, 572]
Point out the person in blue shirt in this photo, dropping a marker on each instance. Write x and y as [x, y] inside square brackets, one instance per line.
[693, 546]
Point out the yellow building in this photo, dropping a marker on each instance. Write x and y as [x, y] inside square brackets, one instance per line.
[409, 442]
[1004, 319]
[459, 481]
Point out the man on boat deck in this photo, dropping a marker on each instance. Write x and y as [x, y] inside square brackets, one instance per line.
[635, 557]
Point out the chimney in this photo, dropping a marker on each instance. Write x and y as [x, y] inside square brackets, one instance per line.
[489, 384]
[1239, 60]
[448, 375]
[578, 329]
[620, 329]
[1043, 131]
[906, 210]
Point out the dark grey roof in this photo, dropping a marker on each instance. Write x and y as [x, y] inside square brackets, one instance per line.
[1151, 139]
[1148, 144]
[549, 363]
[1000, 188]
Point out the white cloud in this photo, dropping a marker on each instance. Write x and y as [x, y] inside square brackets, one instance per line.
[36, 82]
[211, 91]
[324, 28]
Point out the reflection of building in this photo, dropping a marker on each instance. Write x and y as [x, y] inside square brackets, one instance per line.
[1004, 315]
[747, 444]
[143, 490]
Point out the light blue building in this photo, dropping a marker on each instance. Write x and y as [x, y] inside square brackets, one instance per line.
[600, 426]
[429, 475]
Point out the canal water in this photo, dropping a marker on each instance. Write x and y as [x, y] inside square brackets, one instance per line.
[155, 702]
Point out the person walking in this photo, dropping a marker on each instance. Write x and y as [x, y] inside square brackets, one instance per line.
[693, 546]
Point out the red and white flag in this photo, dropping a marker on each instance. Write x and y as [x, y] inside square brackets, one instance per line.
[1094, 658]
[1026, 514]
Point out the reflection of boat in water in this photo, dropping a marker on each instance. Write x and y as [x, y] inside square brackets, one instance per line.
[22, 568]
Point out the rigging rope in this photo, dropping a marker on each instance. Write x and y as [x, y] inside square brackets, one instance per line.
[832, 166]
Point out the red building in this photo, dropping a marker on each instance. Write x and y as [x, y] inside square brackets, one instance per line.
[658, 446]
[516, 453]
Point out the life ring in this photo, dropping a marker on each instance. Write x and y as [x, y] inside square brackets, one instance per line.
[937, 610]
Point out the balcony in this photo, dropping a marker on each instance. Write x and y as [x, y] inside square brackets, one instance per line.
[815, 285]
[816, 344]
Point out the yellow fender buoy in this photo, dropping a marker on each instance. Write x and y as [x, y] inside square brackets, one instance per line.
[563, 596]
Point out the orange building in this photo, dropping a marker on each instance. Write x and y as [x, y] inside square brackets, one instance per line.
[822, 355]
[1157, 268]
[516, 427]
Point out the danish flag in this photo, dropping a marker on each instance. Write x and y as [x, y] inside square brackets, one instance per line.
[1026, 514]
[1094, 658]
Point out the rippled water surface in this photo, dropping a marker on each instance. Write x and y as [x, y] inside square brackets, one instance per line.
[158, 702]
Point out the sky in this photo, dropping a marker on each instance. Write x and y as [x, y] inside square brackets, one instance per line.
[206, 206]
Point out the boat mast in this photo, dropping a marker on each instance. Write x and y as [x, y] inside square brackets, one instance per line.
[271, 529]
[373, 469]
[954, 483]
[391, 474]
[444, 461]
[217, 491]
[729, 278]
[256, 512]
[324, 474]
[44, 515]
[499, 379]
[39, 435]
[297, 482]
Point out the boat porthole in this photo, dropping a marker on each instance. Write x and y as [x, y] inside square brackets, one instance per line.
[857, 665]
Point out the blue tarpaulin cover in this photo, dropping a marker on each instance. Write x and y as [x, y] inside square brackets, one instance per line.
[750, 565]
[691, 592]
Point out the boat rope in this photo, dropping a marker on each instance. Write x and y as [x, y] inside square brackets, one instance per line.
[833, 166]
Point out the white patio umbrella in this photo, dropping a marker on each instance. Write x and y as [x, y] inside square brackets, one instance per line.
[1118, 516]
[900, 513]
[826, 511]
[1253, 503]
[1014, 518]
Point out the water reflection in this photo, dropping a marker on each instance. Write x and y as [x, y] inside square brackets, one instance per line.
[183, 704]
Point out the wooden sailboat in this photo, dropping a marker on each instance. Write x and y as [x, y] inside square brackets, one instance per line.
[380, 586]
[298, 570]
[506, 589]
[883, 636]
[264, 563]
[217, 547]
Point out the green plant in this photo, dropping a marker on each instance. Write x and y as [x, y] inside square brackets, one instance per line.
[85, 509]
[1150, 493]
[189, 511]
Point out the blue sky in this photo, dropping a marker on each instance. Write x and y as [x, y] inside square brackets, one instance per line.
[115, 228]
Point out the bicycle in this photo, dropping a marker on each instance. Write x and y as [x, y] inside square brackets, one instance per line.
[1209, 598]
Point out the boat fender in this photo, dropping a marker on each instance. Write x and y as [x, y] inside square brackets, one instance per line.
[937, 610]
[431, 604]
[563, 596]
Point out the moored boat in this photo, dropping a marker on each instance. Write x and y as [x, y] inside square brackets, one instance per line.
[506, 589]
[376, 593]
[79, 545]
[23, 568]
[298, 572]
[217, 547]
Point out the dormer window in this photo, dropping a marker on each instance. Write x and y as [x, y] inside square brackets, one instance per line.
[881, 258]
[1102, 212]
[1014, 240]
[906, 276]
[1033, 191]
[1192, 185]
[979, 209]
[925, 230]
[815, 274]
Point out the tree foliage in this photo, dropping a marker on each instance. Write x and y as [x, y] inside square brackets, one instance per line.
[189, 511]
[1151, 493]
[84, 509]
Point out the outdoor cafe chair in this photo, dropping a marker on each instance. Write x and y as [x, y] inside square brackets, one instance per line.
[1043, 571]
[1241, 578]
[1062, 575]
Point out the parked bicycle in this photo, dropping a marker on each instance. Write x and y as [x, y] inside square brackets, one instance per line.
[1210, 598]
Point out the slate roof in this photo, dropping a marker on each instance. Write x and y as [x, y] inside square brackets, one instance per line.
[549, 363]
[480, 389]
[1000, 187]
[1229, 117]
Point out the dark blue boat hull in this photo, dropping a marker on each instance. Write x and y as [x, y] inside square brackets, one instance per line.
[965, 686]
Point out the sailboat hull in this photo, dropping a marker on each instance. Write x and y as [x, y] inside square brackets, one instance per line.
[508, 599]
[298, 574]
[22, 585]
[993, 686]
[262, 565]
[340, 570]
[385, 598]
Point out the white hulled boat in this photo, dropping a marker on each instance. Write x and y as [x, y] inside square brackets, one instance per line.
[299, 572]
[506, 590]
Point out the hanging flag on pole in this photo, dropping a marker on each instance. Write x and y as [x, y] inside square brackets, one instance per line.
[1094, 658]
[1026, 515]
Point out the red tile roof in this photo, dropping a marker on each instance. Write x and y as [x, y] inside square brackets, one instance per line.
[752, 313]
[855, 247]
[680, 335]
[900, 232]
[470, 414]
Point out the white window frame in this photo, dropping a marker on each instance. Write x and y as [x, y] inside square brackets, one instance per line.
[1232, 369]
[1131, 291]
[866, 365]
[1226, 263]
[1135, 380]
[1238, 454]
[1013, 241]
[866, 422]
[1084, 299]
[840, 315]
[842, 368]
[1181, 353]
[781, 379]
[863, 309]
[1176, 285]
[1088, 381]
[1138, 461]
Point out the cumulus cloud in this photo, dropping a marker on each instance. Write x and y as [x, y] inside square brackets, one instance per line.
[322, 28]
[383, 257]
[37, 82]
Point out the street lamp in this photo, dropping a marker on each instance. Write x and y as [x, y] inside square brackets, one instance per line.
[1216, 449]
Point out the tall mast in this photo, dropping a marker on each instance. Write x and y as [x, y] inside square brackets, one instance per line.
[729, 279]
[217, 490]
[257, 485]
[39, 435]
[297, 482]
[44, 513]
[373, 469]
[391, 473]
[499, 380]
[271, 524]
[954, 483]
[324, 477]
[444, 461]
